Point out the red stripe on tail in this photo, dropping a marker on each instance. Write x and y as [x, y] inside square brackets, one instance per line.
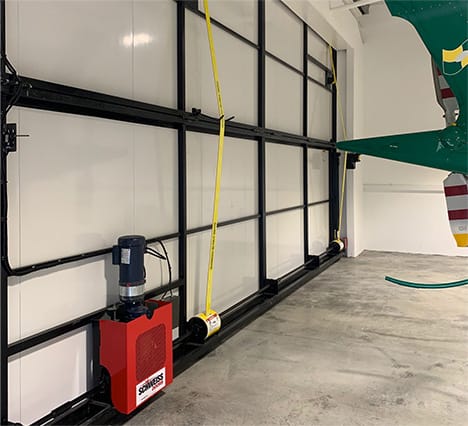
[452, 191]
[447, 93]
[458, 214]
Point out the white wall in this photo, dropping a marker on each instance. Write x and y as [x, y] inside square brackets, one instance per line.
[404, 206]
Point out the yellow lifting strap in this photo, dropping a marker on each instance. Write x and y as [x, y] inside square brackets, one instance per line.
[345, 135]
[219, 165]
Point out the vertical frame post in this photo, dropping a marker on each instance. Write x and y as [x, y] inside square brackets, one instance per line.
[305, 149]
[3, 230]
[182, 168]
[261, 145]
[3, 233]
[334, 166]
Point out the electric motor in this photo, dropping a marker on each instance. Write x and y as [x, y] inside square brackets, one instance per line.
[129, 255]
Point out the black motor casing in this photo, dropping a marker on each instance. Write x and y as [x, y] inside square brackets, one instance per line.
[129, 255]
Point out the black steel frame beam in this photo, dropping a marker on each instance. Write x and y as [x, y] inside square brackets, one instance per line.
[261, 94]
[305, 130]
[66, 99]
[318, 63]
[182, 168]
[59, 330]
[29, 269]
[316, 203]
[225, 28]
[296, 70]
[224, 223]
[285, 210]
[3, 232]
[334, 166]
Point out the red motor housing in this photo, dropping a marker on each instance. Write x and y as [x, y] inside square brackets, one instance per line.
[137, 356]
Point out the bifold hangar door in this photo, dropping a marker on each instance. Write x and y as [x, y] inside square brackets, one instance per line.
[117, 101]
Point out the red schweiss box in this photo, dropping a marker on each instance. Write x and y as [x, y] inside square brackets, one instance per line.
[137, 356]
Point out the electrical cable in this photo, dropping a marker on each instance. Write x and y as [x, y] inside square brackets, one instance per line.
[169, 267]
[165, 257]
[427, 286]
[154, 253]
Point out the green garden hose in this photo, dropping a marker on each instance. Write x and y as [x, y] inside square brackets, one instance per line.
[427, 286]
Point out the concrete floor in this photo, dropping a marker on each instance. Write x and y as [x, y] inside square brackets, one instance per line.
[346, 349]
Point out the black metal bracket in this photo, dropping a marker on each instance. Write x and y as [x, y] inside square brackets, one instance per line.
[313, 262]
[352, 160]
[271, 287]
[9, 138]
[329, 79]
[191, 4]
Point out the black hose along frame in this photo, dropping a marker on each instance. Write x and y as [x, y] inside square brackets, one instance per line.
[27, 92]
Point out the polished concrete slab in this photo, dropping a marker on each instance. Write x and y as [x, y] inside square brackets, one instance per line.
[346, 349]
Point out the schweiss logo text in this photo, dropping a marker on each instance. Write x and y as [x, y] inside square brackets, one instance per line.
[151, 383]
[150, 386]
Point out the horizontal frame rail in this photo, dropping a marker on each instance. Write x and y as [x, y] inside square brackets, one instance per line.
[224, 223]
[40, 94]
[25, 270]
[67, 327]
[297, 207]
[318, 63]
[298, 71]
[225, 28]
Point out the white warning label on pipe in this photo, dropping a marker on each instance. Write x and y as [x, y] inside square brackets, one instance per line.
[148, 387]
